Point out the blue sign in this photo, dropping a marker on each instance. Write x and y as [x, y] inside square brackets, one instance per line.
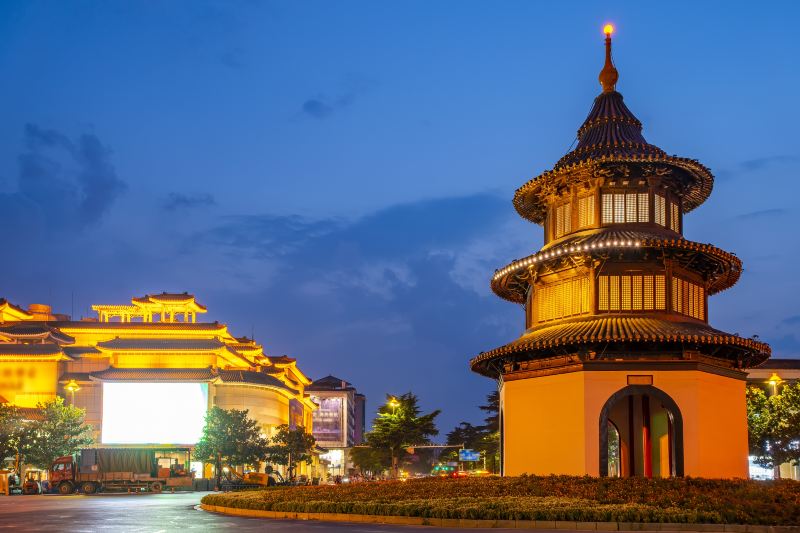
[469, 455]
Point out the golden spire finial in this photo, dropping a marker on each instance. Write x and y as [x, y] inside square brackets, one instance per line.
[608, 76]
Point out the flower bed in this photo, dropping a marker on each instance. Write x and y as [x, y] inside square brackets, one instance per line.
[683, 500]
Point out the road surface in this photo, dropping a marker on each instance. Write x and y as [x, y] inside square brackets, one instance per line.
[155, 513]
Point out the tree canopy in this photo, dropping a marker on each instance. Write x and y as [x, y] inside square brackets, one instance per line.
[289, 447]
[774, 425]
[399, 425]
[230, 437]
[14, 433]
[59, 430]
[484, 438]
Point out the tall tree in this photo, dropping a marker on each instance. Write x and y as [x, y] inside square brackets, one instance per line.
[399, 425]
[289, 447]
[774, 426]
[371, 460]
[14, 435]
[492, 410]
[60, 430]
[231, 437]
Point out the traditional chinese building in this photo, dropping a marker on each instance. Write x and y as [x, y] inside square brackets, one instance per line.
[147, 372]
[618, 371]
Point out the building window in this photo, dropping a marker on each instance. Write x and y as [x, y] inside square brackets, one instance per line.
[688, 298]
[585, 211]
[634, 292]
[562, 299]
[674, 217]
[621, 208]
[563, 219]
[661, 210]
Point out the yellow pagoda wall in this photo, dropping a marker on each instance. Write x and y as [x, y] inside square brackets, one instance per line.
[269, 407]
[25, 384]
[551, 423]
[165, 360]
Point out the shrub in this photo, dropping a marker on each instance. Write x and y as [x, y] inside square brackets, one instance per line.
[686, 500]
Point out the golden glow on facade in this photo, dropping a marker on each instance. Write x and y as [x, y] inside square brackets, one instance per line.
[155, 339]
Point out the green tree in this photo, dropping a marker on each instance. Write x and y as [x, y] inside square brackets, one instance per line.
[59, 430]
[232, 438]
[484, 438]
[371, 460]
[14, 435]
[289, 447]
[774, 426]
[399, 425]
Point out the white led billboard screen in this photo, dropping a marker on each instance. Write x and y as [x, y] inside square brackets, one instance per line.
[154, 413]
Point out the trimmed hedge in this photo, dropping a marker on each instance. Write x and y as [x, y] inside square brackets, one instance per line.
[677, 500]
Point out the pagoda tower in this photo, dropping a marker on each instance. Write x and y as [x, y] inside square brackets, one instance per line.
[618, 372]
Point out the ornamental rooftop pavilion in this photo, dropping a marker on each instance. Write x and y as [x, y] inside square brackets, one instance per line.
[146, 372]
[618, 371]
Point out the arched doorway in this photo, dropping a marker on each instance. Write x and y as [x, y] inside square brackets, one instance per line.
[647, 434]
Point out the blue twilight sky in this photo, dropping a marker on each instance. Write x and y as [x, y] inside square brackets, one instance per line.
[337, 176]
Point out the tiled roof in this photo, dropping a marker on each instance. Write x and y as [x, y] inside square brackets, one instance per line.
[6, 303]
[612, 134]
[609, 130]
[281, 360]
[155, 374]
[31, 350]
[329, 383]
[252, 378]
[193, 345]
[780, 364]
[35, 330]
[620, 329]
[176, 326]
[79, 351]
[77, 376]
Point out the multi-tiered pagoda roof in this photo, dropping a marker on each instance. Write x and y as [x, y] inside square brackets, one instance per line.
[615, 278]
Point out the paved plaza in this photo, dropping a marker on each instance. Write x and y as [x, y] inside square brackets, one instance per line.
[152, 513]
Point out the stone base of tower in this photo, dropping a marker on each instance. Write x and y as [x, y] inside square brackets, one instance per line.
[667, 418]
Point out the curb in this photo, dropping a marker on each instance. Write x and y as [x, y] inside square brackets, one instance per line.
[490, 524]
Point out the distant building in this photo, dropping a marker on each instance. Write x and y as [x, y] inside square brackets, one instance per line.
[338, 423]
[147, 372]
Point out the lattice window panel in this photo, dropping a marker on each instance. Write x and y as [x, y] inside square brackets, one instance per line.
[585, 211]
[602, 301]
[562, 299]
[647, 293]
[636, 301]
[661, 293]
[644, 207]
[674, 219]
[661, 210]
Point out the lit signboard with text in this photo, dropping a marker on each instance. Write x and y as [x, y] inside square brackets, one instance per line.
[469, 455]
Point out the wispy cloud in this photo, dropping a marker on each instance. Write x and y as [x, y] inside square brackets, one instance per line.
[176, 200]
[765, 162]
[763, 213]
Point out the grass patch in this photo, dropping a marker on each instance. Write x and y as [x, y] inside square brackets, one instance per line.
[680, 500]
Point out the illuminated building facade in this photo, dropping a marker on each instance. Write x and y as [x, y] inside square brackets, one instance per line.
[147, 372]
[618, 371]
[338, 423]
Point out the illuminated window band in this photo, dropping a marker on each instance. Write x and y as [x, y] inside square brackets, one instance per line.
[616, 208]
[637, 292]
[562, 299]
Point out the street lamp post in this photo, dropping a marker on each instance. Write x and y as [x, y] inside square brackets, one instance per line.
[774, 380]
[72, 387]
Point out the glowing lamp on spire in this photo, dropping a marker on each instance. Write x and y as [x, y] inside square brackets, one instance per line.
[608, 76]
